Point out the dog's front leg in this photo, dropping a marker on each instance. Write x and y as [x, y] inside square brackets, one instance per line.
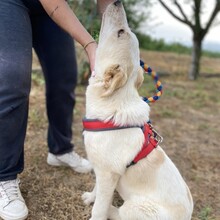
[89, 197]
[105, 186]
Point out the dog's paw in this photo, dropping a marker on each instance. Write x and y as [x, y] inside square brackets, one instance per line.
[88, 197]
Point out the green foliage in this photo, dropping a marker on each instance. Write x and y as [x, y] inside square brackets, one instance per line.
[146, 42]
[86, 12]
[210, 54]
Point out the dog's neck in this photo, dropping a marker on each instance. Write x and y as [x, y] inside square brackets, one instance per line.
[124, 107]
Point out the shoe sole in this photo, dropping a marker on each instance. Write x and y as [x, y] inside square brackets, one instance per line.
[77, 169]
[57, 164]
[13, 218]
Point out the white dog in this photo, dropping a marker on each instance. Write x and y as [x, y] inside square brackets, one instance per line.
[153, 187]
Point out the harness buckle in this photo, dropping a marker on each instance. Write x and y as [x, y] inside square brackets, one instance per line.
[156, 135]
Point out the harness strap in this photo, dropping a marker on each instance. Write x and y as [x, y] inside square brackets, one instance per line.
[149, 144]
[151, 136]
[97, 125]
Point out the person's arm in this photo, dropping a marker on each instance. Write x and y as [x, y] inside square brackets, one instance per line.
[62, 14]
[102, 5]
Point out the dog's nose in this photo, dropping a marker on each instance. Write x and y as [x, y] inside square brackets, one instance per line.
[117, 3]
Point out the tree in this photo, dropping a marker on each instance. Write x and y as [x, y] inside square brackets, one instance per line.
[199, 30]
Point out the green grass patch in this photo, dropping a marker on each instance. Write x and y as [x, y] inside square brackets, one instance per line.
[37, 78]
[148, 88]
[205, 213]
[36, 118]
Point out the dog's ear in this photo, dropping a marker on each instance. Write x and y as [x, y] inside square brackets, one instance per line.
[114, 78]
[140, 78]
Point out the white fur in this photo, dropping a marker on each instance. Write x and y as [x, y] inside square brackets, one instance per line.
[153, 189]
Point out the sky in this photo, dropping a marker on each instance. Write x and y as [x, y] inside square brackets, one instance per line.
[171, 30]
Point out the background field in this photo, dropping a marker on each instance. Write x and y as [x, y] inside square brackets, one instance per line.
[187, 116]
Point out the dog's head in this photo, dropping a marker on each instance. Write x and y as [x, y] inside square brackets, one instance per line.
[117, 55]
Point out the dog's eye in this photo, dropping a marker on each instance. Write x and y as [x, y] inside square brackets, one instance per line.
[120, 32]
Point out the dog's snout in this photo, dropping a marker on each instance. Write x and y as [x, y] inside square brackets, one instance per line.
[117, 3]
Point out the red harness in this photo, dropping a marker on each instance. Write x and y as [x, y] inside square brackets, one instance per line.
[152, 138]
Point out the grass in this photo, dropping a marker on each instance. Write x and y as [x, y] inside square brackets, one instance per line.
[37, 77]
[206, 213]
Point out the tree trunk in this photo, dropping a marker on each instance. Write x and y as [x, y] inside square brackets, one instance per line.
[196, 55]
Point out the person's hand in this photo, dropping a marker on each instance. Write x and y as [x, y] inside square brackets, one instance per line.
[91, 51]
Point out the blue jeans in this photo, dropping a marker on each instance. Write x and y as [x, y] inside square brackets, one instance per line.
[24, 24]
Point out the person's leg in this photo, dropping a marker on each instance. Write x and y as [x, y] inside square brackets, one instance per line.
[56, 53]
[15, 81]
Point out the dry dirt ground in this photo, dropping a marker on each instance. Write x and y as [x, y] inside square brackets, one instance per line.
[187, 116]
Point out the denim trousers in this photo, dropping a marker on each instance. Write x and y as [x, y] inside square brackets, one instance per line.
[25, 25]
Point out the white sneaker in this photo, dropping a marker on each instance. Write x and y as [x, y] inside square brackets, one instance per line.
[72, 160]
[12, 204]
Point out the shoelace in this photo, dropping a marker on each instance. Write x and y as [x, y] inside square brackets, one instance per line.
[10, 190]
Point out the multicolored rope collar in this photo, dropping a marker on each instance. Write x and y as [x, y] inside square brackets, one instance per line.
[152, 138]
[158, 84]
